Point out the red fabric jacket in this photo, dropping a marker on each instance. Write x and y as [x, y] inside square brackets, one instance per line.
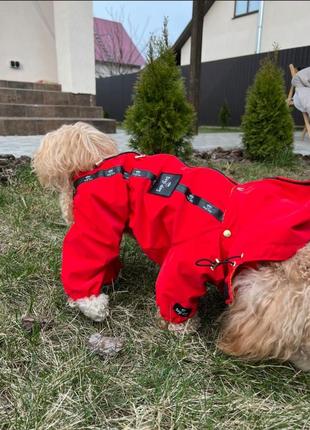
[196, 223]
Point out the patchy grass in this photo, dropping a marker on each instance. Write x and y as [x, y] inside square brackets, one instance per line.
[215, 129]
[212, 128]
[247, 171]
[49, 380]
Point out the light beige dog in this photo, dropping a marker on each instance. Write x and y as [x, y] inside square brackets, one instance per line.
[270, 316]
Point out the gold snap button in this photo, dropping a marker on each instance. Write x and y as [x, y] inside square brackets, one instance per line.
[226, 233]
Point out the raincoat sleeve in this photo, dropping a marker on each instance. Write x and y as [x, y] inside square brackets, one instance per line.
[90, 257]
[179, 286]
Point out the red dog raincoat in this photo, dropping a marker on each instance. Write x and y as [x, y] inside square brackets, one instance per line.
[196, 223]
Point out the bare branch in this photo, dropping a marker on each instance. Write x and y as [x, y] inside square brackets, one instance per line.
[119, 60]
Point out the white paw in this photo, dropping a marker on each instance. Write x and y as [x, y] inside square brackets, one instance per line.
[94, 307]
[189, 326]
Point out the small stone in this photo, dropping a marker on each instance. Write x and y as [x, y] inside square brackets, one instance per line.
[104, 345]
[25, 159]
[161, 323]
[7, 156]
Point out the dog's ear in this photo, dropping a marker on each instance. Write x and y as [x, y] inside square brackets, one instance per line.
[267, 318]
[69, 150]
[66, 205]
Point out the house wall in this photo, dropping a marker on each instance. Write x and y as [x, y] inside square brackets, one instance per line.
[27, 35]
[52, 40]
[74, 38]
[285, 23]
[186, 50]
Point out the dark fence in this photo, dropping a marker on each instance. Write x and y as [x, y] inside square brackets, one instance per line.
[221, 80]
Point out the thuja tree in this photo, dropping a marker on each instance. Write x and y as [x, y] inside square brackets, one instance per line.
[267, 123]
[160, 119]
[224, 115]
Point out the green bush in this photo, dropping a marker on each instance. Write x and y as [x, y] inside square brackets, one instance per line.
[224, 115]
[160, 119]
[267, 123]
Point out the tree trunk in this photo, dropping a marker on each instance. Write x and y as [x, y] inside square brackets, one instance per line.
[195, 60]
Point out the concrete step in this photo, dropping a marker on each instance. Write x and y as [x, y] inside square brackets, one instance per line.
[30, 85]
[17, 126]
[50, 111]
[43, 97]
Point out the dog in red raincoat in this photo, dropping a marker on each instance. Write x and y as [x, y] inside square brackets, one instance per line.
[250, 240]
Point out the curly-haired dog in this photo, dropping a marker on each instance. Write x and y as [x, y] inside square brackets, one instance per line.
[251, 240]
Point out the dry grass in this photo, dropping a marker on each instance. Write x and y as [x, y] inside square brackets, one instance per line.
[49, 380]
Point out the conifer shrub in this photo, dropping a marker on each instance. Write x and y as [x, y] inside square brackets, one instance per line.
[224, 115]
[267, 123]
[160, 119]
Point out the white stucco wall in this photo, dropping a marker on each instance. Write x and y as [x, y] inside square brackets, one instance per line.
[27, 35]
[52, 40]
[225, 37]
[186, 52]
[285, 22]
[74, 34]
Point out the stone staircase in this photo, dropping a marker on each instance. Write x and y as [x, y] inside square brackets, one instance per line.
[28, 108]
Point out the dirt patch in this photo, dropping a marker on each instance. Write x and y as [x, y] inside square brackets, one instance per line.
[220, 154]
[9, 165]
[30, 324]
[232, 155]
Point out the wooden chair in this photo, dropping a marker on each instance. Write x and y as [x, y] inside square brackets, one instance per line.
[290, 102]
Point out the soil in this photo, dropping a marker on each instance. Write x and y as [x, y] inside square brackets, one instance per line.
[232, 155]
[9, 165]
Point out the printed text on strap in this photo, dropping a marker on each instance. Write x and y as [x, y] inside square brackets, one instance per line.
[198, 201]
[100, 174]
[175, 186]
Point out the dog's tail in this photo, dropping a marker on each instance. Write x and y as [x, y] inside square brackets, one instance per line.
[269, 317]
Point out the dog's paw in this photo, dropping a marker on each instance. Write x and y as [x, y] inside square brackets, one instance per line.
[188, 327]
[94, 307]
[160, 321]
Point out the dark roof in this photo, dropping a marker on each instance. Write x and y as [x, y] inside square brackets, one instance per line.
[186, 33]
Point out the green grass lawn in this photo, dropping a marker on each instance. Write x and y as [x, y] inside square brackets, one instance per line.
[49, 380]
